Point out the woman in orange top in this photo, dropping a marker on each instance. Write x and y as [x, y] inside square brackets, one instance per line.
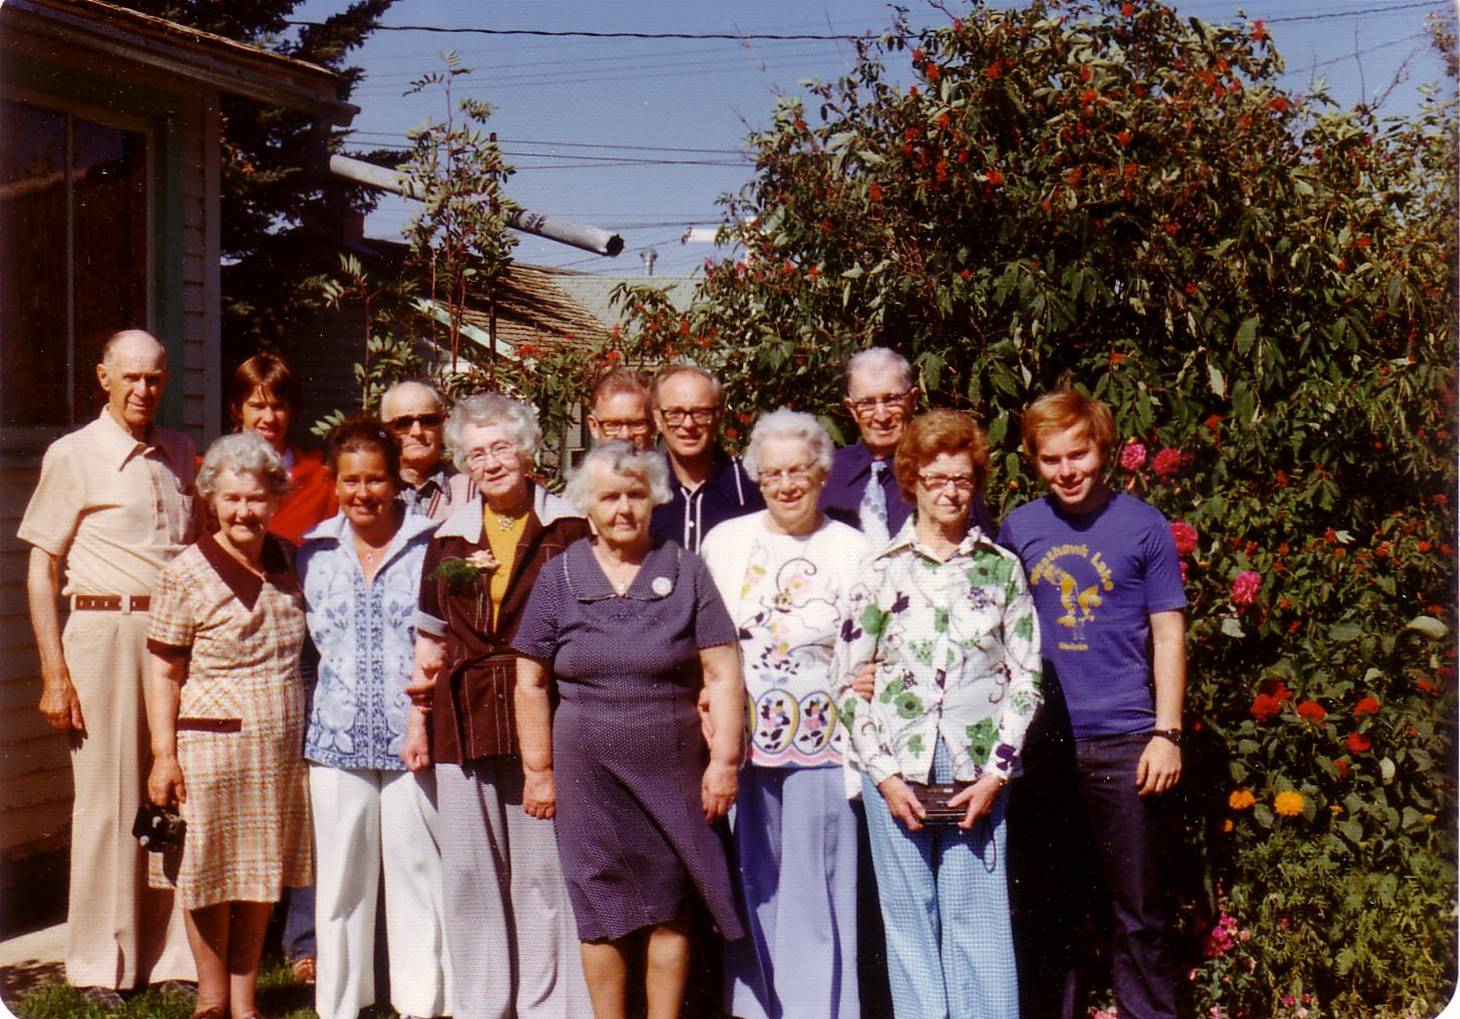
[263, 397]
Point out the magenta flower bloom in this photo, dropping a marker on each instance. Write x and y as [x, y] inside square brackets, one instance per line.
[1133, 456]
[1245, 586]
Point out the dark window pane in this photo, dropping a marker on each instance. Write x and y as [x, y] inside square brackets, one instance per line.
[109, 174]
[33, 286]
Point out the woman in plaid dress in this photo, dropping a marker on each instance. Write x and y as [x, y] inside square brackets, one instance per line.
[225, 706]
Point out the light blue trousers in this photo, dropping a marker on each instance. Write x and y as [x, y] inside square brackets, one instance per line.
[945, 906]
[796, 860]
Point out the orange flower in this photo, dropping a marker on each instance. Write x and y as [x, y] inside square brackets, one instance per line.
[1241, 799]
[1288, 803]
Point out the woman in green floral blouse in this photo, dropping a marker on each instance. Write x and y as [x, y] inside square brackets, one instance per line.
[952, 633]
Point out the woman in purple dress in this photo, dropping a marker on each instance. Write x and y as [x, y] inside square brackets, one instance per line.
[632, 632]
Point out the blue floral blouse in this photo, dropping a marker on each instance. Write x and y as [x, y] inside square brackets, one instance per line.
[366, 643]
[956, 647]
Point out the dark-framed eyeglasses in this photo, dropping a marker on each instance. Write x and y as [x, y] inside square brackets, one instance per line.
[404, 422]
[674, 417]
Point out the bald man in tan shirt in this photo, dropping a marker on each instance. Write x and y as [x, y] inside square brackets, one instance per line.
[113, 505]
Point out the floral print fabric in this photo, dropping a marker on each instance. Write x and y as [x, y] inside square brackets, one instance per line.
[787, 595]
[956, 647]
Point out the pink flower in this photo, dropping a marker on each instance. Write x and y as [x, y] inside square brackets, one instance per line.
[1184, 569]
[1245, 586]
[1185, 537]
[1168, 462]
[1133, 456]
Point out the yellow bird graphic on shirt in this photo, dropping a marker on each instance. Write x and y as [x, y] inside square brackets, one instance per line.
[1085, 602]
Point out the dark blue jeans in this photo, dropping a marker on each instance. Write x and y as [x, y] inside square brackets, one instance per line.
[1133, 838]
[1078, 833]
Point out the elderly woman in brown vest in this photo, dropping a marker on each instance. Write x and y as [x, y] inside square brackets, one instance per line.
[510, 930]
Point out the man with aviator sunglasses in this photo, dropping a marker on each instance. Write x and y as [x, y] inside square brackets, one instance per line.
[433, 487]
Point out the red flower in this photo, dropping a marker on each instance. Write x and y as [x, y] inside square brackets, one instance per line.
[1281, 478]
[1278, 104]
[1088, 96]
[1278, 689]
[1311, 711]
[1265, 707]
[932, 71]
[1258, 32]
[1168, 462]
[993, 71]
[1341, 763]
[1245, 587]
[964, 274]
[1358, 743]
[874, 191]
[1185, 537]
[1172, 229]
[944, 120]
[994, 177]
[1126, 10]
[1073, 176]
[1367, 706]
[917, 56]
[800, 124]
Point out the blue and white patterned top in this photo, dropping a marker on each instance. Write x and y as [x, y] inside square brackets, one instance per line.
[366, 643]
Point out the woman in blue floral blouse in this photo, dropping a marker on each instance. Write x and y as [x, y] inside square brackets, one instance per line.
[361, 575]
[951, 631]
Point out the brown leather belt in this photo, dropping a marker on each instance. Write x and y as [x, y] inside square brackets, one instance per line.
[209, 725]
[110, 602]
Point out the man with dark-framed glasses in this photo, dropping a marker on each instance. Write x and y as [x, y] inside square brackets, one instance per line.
[709, 485]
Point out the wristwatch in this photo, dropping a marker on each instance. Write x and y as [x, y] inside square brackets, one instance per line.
[1174, 735]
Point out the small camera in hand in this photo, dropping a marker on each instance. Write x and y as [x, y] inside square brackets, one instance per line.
[158, 829]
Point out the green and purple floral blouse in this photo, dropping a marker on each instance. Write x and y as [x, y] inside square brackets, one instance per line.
[956, 647]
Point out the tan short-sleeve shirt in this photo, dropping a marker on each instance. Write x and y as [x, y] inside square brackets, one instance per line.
[114, 508]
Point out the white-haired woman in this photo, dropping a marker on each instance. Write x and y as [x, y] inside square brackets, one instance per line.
[789, 576]
[225, 708]
[509, 926]
[631, 631]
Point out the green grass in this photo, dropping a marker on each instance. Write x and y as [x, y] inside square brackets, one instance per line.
[279, 997]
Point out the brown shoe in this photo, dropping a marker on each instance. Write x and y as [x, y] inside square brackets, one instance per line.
[303, 970]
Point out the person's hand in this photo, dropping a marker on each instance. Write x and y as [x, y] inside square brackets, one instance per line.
[539, 793]
[61, 707]
[718, 788]
[430, 657]
[864, 680]
[165, 783]
[980, 798]
[901, 802]
[1159, 768]
[415, 751]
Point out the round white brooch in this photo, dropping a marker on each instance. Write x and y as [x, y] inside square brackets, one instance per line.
[661, 586]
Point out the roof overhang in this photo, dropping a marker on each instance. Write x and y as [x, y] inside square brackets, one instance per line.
[174, 49]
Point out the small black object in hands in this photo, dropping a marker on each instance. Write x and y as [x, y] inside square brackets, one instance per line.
[934, 797]
[158, 829]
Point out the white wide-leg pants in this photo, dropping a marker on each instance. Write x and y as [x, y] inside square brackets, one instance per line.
[363, 820]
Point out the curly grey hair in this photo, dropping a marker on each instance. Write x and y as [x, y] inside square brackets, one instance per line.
[619, 457]
[242, 453]
[518, 419]
[786, 423]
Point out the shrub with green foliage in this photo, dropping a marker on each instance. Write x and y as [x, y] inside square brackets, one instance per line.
[1260, 285]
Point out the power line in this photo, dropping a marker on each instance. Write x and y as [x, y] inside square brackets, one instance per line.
[1354, 13]
[585, 34]
[582, 145]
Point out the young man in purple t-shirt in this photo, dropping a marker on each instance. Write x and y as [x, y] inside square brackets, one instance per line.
[1106, 581]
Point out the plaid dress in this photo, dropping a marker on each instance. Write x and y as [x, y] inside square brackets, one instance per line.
[240, 725]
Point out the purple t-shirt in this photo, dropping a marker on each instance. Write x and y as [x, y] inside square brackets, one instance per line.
[1096, 579]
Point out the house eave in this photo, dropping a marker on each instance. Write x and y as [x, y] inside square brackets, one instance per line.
[174, 49]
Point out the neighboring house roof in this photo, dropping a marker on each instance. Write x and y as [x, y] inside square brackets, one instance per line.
[233, 67]
[592, 290]
[533, 307]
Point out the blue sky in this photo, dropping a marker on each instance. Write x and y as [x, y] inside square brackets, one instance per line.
[566, 107]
